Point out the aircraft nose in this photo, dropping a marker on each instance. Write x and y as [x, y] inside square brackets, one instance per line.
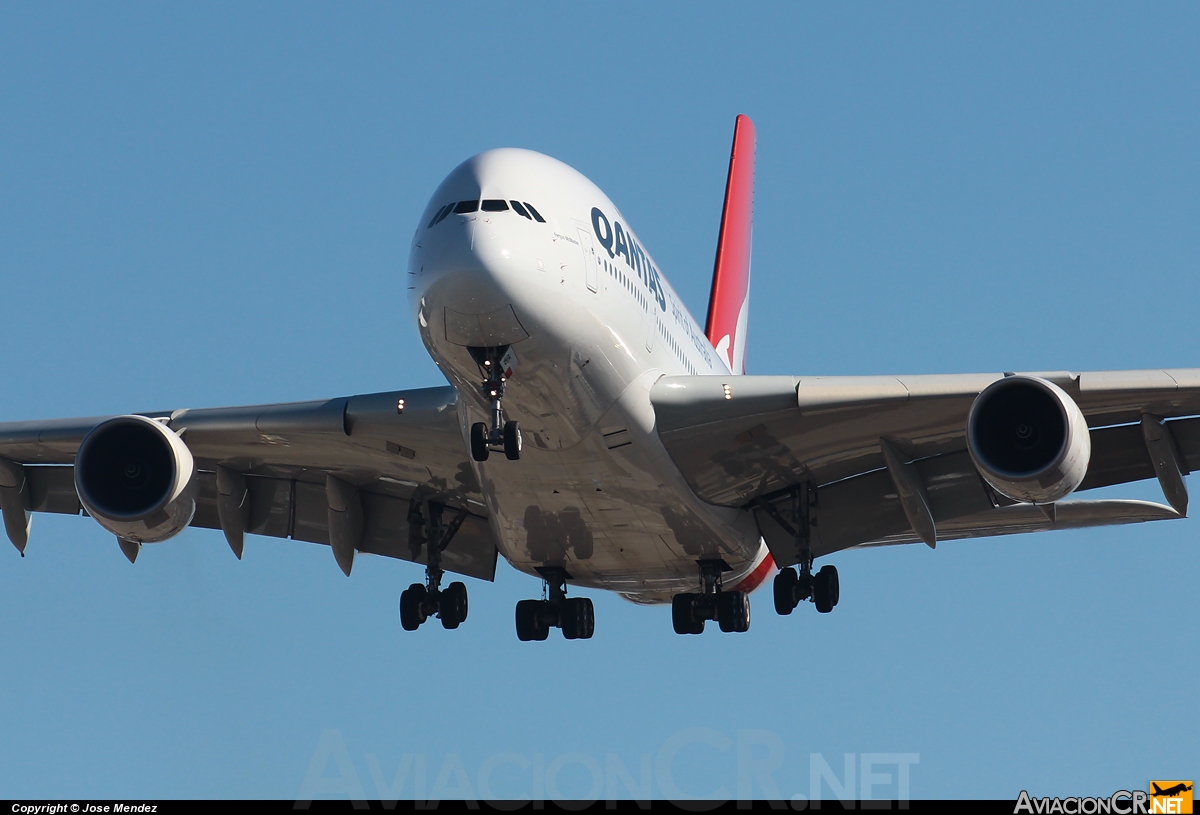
[469, 265]
[482, 248]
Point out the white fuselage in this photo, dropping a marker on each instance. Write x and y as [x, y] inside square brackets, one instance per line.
[593, 325]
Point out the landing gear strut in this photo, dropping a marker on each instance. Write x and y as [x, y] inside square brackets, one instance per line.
[495, 365]
[574, 615]
[731, 609]
[420, 601]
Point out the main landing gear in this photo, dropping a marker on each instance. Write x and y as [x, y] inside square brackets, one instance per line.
[731, 609]
[793, 512]
[574, 615]
[495, 365]
[419, 601]
[791, 588]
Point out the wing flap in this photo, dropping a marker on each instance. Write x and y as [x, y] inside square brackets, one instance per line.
[52, 489]
[1020, 518]
[299, 510]
[866, 511]
[867, 507]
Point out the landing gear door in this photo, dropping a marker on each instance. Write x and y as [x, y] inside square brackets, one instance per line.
[591, 274]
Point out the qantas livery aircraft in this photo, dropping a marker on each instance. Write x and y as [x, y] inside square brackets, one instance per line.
[595, 435]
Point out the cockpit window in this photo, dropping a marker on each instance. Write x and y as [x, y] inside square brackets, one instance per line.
[524, 209]
[437, 216]
[445, 213]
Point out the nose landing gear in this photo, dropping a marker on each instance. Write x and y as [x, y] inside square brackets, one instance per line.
[731, 609]
[496, 366]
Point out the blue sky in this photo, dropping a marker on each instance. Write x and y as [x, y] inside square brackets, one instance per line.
[206, 204]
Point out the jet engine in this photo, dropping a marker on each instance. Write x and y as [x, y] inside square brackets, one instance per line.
[135, 476]
[1029, 439]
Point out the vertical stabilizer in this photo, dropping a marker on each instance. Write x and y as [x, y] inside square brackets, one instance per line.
[729, 302]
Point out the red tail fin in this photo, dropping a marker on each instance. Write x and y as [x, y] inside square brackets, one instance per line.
[729, 302]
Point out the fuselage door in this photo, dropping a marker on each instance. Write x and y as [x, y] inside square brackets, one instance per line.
[590, 273]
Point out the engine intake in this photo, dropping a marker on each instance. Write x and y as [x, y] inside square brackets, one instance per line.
[1029, 439]
[135, 476]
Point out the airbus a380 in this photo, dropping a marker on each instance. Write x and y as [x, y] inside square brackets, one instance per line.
[595, 435]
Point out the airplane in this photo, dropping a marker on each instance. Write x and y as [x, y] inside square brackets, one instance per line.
[1170, 792]
[597, 437]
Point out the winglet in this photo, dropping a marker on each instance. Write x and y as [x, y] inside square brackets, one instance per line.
[729, 301]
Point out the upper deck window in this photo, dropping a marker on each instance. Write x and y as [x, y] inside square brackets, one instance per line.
[494, 205]
[464, 207]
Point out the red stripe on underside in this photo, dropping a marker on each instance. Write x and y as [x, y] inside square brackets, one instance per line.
[753, 580]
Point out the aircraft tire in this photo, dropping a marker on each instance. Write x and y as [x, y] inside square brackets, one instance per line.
[570, 618]
[824, 588]
[578, 618]
[683, 616]
[726, 611]
[454, 605]
[784, 587]
[479, 445]
[411, 613]
[829, 576]
[733, 611]
[529, 621]
[589, 619]
[512, 441]
[743, 616]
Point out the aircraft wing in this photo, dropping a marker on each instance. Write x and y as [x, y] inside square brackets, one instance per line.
[770, 443]
[396, 448]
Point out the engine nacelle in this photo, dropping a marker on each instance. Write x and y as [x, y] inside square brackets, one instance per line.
[1029, 439]
[135, 476]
